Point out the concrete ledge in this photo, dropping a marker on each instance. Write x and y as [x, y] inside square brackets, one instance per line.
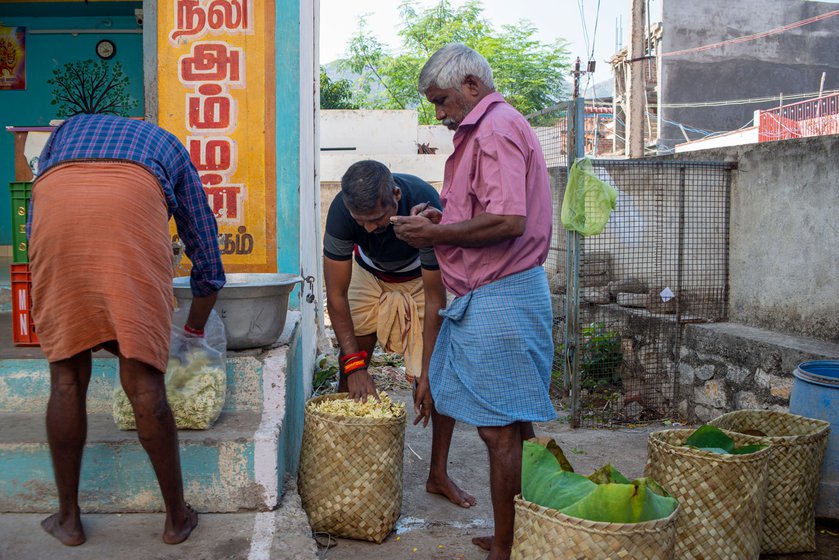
[728, 366]
[25, 384]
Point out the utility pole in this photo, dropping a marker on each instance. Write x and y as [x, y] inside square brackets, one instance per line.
[636, 93]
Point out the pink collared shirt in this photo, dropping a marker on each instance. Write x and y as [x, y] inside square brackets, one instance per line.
[497, 167]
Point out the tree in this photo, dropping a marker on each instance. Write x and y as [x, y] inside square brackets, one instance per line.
[88, 87]
[527, 72]
[335, 94]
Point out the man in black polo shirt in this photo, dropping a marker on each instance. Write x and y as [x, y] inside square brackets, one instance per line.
[380, 289]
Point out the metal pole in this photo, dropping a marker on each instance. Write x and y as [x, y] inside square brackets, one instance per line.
[674, 373]
[596, 131]
[572, 264]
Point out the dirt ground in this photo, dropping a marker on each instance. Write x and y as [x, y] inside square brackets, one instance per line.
[432, 528]
[429, 528]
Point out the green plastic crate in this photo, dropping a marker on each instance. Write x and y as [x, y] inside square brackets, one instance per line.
[21, 193]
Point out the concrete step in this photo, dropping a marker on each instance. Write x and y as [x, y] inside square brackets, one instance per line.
[237, 465]
[282, 534]
[220, 474]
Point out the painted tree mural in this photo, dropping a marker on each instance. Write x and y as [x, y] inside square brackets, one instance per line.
[87, 87]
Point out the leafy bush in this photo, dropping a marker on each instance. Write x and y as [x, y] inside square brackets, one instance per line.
[600, 358]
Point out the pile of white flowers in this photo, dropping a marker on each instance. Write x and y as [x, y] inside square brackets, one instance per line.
[195, 389]
[384, 408]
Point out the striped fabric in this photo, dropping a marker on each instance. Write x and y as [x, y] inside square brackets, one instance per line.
[105, 137]
[492, 362]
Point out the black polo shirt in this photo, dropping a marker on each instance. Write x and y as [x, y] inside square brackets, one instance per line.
[382, 254]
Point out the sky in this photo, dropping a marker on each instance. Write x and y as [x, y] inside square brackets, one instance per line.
[554, 19]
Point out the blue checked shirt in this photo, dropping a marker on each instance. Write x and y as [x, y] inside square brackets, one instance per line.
[104, 137]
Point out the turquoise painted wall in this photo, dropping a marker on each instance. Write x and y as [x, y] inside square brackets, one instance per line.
[31, 107]
[288, 138]
[295, 401]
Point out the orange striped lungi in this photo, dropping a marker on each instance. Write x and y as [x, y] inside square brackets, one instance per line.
[100, 258]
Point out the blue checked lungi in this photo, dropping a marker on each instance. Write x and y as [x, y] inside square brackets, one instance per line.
[491, 364]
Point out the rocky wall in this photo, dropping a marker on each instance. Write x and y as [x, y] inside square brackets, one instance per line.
[728, 366]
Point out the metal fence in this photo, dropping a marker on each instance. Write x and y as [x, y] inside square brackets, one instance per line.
[662, 261]
[814, 117]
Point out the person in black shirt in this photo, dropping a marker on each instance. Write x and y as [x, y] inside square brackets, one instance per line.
[380, 289]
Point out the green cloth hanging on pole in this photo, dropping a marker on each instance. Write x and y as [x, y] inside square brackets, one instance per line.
[588, 201]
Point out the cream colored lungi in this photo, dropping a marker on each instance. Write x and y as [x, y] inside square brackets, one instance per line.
[392, 310]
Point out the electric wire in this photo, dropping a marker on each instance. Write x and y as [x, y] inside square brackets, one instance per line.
[594, 35]
[590, 76]
[580, 6]
[747, 101]
[754, 36]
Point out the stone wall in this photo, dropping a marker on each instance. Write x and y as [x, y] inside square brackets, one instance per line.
[784, 261]
[726, 366]
[720, 367]
[646, 385]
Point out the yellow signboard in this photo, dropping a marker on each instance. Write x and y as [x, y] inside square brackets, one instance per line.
[216, 93]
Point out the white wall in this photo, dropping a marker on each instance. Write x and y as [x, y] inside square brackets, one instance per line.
[736, 138]
[391, 137]
[369, 132]
[425, 166]
[436, 136]
[784, 259]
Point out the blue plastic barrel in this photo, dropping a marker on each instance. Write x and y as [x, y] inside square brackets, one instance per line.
[815, 394]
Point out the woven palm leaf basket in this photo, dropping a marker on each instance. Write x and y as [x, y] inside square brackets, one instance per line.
[545, 534]
[350, 477]
[721, 496]
[798, 445]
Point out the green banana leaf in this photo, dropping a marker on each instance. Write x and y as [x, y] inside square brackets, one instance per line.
[605, 495]
[608, 474]
[556, 451]
[544, 482]
[623, 503]
[746, 449]
[710, 438]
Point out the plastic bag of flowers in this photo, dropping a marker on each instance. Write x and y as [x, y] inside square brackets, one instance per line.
[196, 377]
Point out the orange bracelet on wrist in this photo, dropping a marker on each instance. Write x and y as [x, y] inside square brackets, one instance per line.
[353, 366]
[348, 357]
[354, 362]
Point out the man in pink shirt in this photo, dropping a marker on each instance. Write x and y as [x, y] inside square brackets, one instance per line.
[492, 360]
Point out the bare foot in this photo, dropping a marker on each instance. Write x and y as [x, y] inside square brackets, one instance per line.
[178, 533]
[484, 543]
[451, 491]
[70, 532]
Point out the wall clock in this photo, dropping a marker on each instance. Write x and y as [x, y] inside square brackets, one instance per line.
[106, 49]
